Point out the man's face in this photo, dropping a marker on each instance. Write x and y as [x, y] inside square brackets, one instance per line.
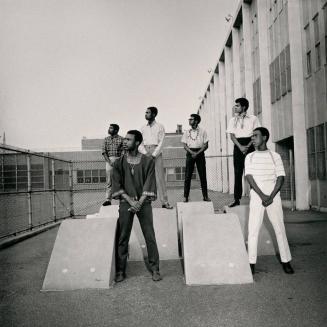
[129, 142]
[148, 115]
[258, 139]
[238, 109]
[111, 130]
[191, 121]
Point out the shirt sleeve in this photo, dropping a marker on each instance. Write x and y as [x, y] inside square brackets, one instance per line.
[161, 137]
[248, 166]
[205, 137]
[117, 179]
[184, 137]
[150, 187]
[141, 146]
[280, 171]
[230, 128]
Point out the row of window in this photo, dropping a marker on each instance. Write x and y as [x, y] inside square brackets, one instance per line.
[316, 137]
[317, 43]
[280, 75]
[95, 176]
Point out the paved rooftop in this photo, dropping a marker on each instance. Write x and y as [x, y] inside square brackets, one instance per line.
[275, 299]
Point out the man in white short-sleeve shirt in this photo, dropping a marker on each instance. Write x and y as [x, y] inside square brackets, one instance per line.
[265, 173]
[195, 142]
[240, 128]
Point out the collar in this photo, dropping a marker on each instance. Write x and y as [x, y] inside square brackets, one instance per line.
[153, 123]
[197, 129]
[113, 136]
[242, 115]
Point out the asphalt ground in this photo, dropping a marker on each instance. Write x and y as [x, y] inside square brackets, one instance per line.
[274, 299]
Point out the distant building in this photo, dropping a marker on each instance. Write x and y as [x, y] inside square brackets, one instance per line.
[275, 54]
[89, 165]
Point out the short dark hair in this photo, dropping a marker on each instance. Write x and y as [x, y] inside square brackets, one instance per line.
[196, 117]
[243, 102]
[153, 110]
[264, 132]
[115, 126]
[137, 135]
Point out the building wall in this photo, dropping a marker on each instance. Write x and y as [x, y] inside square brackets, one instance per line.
[275, 55]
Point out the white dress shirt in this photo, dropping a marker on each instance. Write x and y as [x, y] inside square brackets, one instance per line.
[242, 126]
[195, 138]
[153, 134]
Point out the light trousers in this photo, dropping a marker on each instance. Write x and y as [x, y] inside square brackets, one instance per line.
[109, 169]
[276, 217]
[160, 175]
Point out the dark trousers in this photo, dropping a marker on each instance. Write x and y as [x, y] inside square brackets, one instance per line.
[200, 162]
[238, 159]
[124, 228]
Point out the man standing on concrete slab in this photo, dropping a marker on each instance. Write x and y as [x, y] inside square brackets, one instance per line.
[111, 150]
[153, 136]
[134, 184]
[240, 128]
[265, 173]
[195, 142]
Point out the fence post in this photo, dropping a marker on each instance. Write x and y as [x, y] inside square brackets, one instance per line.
[29, 191]
[53, 190]
[291, 179]
[71, 189]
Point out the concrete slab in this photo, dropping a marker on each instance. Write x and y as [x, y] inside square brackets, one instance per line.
[165, 226]
[109, 211]
[83, 255]
[267, 244]
[190, 208]
[214, 250]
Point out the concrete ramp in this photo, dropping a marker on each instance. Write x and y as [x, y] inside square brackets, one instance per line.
[83, 255]
[214, 250]
[267, 243]
[165, 227]
[111, 211]
[185, 209]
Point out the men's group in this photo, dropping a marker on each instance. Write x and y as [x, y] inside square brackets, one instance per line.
[135, 173]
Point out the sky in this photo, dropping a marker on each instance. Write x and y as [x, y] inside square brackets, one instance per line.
[69, 68]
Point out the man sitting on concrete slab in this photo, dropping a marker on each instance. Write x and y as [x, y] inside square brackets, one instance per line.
[134, 184]
[265, 173]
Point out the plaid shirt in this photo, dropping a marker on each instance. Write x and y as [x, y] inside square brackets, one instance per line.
[113, 146]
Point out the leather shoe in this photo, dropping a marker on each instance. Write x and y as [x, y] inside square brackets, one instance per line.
[234, 204]
[207, 199]
[252, 266]
[106, 203]
[167, 206]
[287, 268]
[120, 276]
[185, 200]
[156, 276]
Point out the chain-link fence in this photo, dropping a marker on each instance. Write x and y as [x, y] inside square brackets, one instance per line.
[35, 189]
[89, 179]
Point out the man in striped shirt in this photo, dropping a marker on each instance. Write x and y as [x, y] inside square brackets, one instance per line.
[265, 173]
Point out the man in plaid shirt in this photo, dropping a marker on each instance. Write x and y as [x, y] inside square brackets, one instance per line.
[112, 149]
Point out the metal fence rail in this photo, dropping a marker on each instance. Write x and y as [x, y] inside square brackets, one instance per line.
[35, 189]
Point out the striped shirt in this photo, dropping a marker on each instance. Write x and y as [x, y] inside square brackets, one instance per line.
[264, 166]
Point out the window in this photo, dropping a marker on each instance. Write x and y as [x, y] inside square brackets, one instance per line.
[311, 153]
[282, 60]
[307, 37]
[177, 174]
[272, 82]
[88, 176]
[288, 68]
[317, 151]
[318, 57]
[305, 8]
[277, 78]
[316, 28]
[321, 152]
[309, 68]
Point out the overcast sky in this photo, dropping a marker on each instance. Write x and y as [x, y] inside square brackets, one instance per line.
[71, 67]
